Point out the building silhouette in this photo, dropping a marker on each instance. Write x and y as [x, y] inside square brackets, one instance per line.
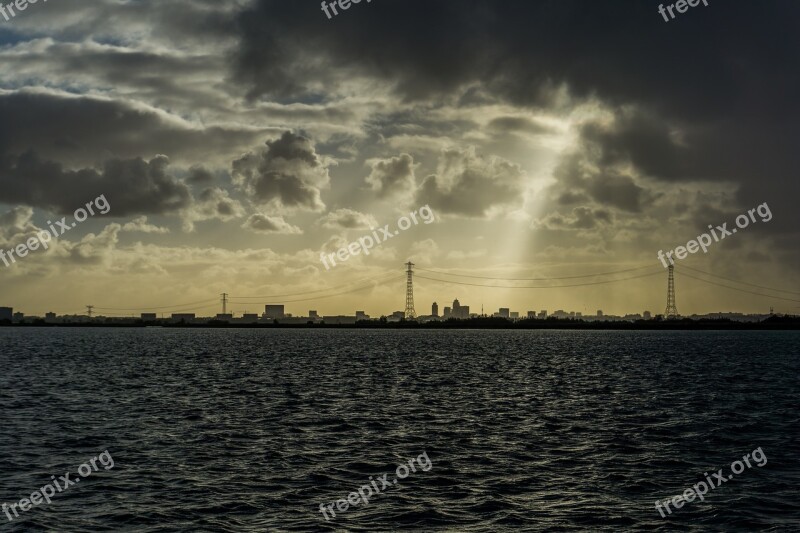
[274, 311]
[459, 311]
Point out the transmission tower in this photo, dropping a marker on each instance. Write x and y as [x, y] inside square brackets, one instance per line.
[672, 310]
[410, 313]
[89, 309]
[224, 303]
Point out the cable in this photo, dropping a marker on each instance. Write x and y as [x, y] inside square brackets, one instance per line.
[536, 279]
[340, 293]
[742, 282]
[150, 308]
[267, 297]
[540, 287]
[187, 309]
[737, 289]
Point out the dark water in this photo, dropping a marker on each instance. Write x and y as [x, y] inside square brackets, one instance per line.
[251, 430]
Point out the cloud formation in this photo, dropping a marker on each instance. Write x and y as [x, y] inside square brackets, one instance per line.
[347, 219]
[472, 185]
[286, 174]
[392, 176]
[261, 223]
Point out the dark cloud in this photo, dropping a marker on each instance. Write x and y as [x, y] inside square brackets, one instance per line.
[84, 130]
[640, 139]
[691, 65]
[131, 186]
[199, 174]
[213, 203]
[517, 124]
[392, 176]
[287, 173]
[472, 185]
[581, 178]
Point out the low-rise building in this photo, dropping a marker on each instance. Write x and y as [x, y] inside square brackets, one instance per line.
[274, 311]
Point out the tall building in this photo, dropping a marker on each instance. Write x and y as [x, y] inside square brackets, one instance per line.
[504, 312]
[531, 314]
[435, 309]
[6, 313]
[274, 311]
[599, 312]
[448, 313]
[459, 311]
[313, 314]
[361, 315]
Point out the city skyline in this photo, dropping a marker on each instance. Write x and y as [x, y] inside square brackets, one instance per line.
[235, 306]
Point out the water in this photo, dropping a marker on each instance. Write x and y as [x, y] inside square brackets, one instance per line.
[251, 430]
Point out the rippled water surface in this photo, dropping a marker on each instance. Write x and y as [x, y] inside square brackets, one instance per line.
[251, 430]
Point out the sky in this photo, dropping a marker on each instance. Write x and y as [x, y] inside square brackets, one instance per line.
[236, 142]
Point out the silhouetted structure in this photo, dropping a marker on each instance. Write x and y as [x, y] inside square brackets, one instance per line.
[410, 313]
[459, 311]
[672, 309]
[274, 311]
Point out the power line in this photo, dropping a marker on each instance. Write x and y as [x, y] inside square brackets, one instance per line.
[210, 306]
[537, 279]
[540, 287]
[151, 308]
[738, 289]
[371, 285]
[741, 282]
[269, 296]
